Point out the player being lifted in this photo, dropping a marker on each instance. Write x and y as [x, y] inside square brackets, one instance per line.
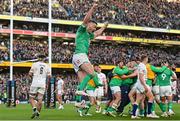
[82, 66]
[39, 71]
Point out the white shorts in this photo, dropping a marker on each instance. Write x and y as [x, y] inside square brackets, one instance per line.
[155, 90]
[78, 60]
[174, 91]
[165, 91]
[59, 92]
[91, 93]
[140, 88]
[99, 92]
[35, 90]
[133, 87]
[115, 89]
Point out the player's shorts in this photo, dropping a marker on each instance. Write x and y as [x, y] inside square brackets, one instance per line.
[78, 60]
[99, 92]
[155, 90]
[133, 87]
[174, 91]
[140, 88]
[165, 91]
[35, 90]
[59, 92]
[91, 93]
[115, 89]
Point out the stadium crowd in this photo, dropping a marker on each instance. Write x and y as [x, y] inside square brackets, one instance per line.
[105, 53]
[158, 13]
[108, 32]
[23, 82]
[4, 51]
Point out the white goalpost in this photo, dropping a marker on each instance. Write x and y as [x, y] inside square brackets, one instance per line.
[11, 42]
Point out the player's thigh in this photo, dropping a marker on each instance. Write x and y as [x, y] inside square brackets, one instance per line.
[40, 97]
[41, 91]
[155, 90]
[78, 60]
[117, 95]
[91, 93]
[81, 75]
[33, 92]
[88, 68]
[115, 89]
[165, 91]
[149, 95]
[139, 97]
[92, 100]
[58, 96]
[169, 91]
[99, 92]
[132, 92]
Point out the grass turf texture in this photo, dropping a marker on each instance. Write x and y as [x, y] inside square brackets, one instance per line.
[24, 111]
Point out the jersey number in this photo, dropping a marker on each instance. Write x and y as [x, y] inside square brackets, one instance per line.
[163, 76]
[41, 70]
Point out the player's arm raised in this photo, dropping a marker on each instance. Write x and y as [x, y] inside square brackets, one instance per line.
[88, 16]
[100, 31]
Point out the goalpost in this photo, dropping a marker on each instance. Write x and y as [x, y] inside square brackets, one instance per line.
[11, 85]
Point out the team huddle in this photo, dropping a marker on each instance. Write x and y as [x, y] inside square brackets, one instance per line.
[136, 82]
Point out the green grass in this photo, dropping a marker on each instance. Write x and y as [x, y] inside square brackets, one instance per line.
[23, 112]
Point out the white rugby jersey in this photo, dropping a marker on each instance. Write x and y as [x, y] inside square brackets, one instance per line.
[40, 72]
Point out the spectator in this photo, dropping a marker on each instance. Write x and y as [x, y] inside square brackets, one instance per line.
[151, 13]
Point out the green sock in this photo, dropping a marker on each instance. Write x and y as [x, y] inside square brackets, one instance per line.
[81, 109]
[162, 107]
[141, 111]
[170, 105]
[153, 106]
[110, 109]
[84, 82]
[78, 98]
[88, 107]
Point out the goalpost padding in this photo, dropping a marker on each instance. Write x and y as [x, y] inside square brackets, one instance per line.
[11, 93]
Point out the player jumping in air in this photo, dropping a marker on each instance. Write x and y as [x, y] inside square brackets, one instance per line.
[39, 71]
[82, 66]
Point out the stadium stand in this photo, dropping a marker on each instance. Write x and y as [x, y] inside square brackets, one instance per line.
[158, 13]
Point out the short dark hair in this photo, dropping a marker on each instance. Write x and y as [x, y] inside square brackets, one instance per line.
[166, 61]
[143, 57]
[93, 21]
